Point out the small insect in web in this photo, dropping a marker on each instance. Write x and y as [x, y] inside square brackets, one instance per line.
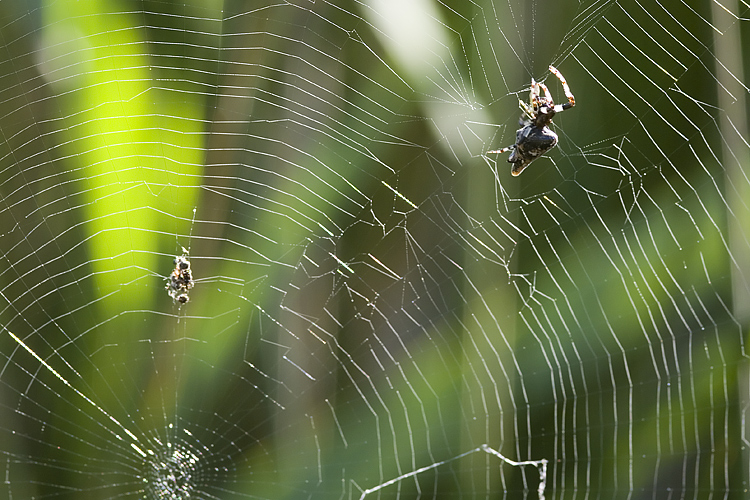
[181, 279]
[535, 138]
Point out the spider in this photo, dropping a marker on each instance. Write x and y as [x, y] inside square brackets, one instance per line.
[181, 279]
[535, 138]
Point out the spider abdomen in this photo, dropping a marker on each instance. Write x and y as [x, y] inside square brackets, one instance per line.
[531, 143]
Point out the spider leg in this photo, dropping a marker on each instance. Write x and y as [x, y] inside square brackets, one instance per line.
[571, 100]
[529, 111]
[534, 97]
[504, 150]
[547, 95]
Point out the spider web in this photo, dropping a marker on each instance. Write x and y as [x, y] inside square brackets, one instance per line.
[379, 309]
